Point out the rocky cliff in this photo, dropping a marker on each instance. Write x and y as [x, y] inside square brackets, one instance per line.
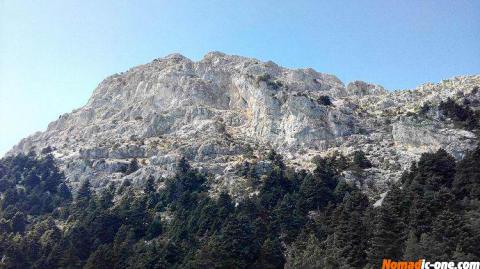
[224, 110]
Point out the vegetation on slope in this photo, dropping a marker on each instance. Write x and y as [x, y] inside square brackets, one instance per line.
[299, 219]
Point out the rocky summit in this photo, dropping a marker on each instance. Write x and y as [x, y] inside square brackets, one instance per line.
[225, 110]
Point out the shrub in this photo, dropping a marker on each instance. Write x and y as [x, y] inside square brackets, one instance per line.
[425, 108]
[268, 80]
[360, 160]
[132, 166]
[463, 116]
[264, 77]
[324, 100]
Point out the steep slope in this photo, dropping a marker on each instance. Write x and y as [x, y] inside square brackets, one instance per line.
[224, 110]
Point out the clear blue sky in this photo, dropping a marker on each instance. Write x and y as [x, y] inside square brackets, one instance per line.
[53, 53]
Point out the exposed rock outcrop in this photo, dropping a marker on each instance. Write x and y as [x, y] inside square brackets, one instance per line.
[224, 109]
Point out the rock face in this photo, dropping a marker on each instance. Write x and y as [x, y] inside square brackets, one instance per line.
[223, 110]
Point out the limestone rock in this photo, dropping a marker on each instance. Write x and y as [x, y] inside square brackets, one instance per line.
[225, 109]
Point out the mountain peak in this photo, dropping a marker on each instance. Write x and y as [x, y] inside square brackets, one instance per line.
[214, 54]
[224, 110]
[362, 88]
[175, 56]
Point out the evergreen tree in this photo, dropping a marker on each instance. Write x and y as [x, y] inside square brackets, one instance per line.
[299, 219]
[18, 223]
[287, 218]
[350, 236]
[360, 160]
[84, 193]
[149, 186]
[64, 192]
[307, 252]
[106, 197]
[467, 178]
[133, 166]
[275, 183]
[154, 229]
[183, 166]
[420, 216]
[447, 233]
[314, 193]
[231, 248]
[412, 249]
[388, 235]
[271, 255]
[435, 170]
[102, 258]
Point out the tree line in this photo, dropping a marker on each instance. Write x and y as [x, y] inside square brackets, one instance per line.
[299, 219]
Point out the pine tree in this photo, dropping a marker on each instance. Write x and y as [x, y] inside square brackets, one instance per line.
[101, 258]
[84, 195]
[388, 236]
[436, 170]
[360, 160]
[231, 248]
[287, 218]
[412, 249]
[448, 231]
[314, 193]
[467, 178]
[149, 186]
[106, 197]
[64, 192]
[271, 255]
[183, 166]
[420, 216]
[18, 223]
[326, 170]
[154, 229]
[225, 205]
[274, 187]
[309, 252]
[350, 239]
[132, 166]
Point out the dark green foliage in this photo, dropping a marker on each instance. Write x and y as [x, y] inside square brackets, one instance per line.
[31, 185]
[413, 250]
[231, 248]
[132, 166]
[271, 255]
[448, 232]
[427, 217]
[288, 217]
[300, 219]
[83, 194]
[154, 229]
[360, 160]
[46, 150]
[467, 178]
[273, 84]
[434, 171]
[149, 186]
[101, 258]
[462, 115]
[18, 223]
[350, 232]
[388, 236]
[325, 100]
[276, 184]
[314, 193]
[425, 108]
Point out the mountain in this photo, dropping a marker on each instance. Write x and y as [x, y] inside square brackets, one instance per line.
[224, 111]
[237, 163]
